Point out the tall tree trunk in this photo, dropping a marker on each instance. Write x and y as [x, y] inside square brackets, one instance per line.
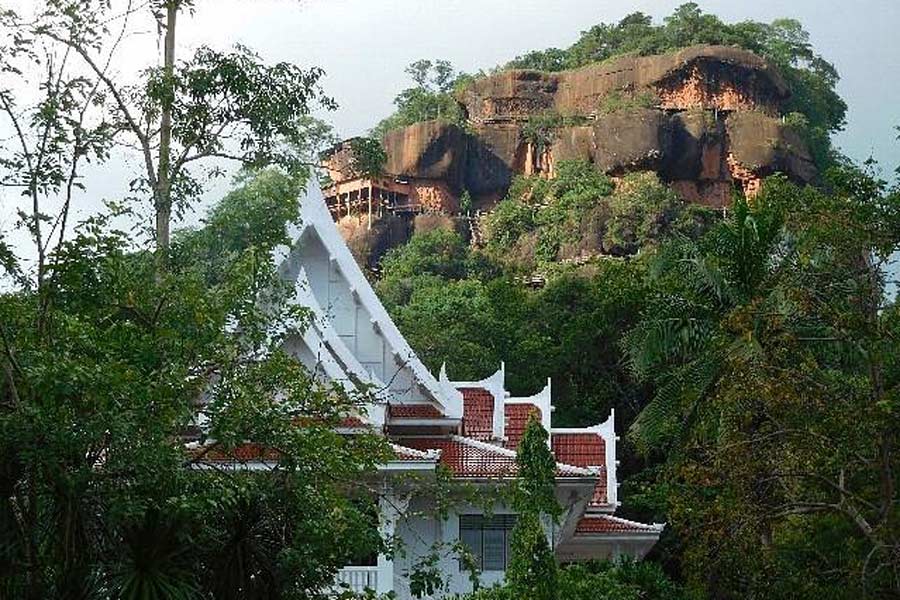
[163, 191]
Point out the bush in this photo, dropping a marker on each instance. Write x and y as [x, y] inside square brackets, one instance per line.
[644, 211]
[554, 208]
[626, 579]
[510, 220]
[617, 101]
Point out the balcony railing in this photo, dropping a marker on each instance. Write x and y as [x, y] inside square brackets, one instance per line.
[357, 579]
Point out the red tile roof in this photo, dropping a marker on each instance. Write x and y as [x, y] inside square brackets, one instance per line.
[414, 411]
[583, 450]
[243, 453]
[517, 416]
[352, 423]
[608, 524]
[478, 413]
[466, 457]
[580, 449]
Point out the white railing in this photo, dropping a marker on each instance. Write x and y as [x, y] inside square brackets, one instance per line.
[357, 579]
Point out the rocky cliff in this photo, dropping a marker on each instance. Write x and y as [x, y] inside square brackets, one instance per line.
[705, 119]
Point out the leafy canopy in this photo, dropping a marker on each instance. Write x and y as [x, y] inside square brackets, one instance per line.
[431, 97]
[772, 352]
[100, 494]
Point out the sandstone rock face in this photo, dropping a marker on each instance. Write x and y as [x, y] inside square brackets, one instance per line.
[764, 145]
[711, 77]
[633, 140]
[706, 119]
[427, 150]
[368, 243]
[511, 96]
[574, 143]
[434, 195]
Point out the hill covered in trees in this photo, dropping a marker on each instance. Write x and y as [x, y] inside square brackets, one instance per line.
[707, 107]
[750, 352]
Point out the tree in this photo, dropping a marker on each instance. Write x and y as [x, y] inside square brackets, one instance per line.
[100, 495]
[214, 106]
[532, 569]
[695, 287]
[431, 98]
[457, 306]
[773, 354]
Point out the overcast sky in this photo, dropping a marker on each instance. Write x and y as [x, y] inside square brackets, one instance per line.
[364, 45]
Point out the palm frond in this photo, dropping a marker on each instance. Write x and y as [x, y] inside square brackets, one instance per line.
[676, 404]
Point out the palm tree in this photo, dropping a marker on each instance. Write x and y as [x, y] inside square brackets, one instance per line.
[687, 333]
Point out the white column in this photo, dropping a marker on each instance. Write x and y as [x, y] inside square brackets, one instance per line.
[390, 507]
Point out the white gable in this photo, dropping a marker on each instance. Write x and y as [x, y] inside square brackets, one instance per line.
[352, 331]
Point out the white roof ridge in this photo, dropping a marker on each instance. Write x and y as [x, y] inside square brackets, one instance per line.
[487, 383]
[432, 454]
[650, 526]
[593, 429]
[483, 445]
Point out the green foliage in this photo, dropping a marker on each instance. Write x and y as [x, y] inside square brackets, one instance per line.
[540, 129]
[772, 354]
[510, 220]
[551, 59]
[622, 580]
[678, 346]
[817, 140]
[555, 209]
[254, 215]
[453, 320]
[464, 311]
[536, 485]
[426, 578]
[215, 89]
[8, 261]
[643, 211]
[532, 569]
[100, 380]
[368, 155]
[429, 257]
[617, 101]
[580, 212]
[431, 98]
[465, 202]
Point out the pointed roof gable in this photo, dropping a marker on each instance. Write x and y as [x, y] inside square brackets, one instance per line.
[352, 334]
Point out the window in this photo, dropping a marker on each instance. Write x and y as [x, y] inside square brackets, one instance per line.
[488, 539]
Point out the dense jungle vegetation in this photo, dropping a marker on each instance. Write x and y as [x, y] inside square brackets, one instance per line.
[751, 356]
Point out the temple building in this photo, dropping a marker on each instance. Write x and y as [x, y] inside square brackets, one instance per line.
[470, 428]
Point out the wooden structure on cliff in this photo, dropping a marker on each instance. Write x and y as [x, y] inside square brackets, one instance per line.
[352, 194]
